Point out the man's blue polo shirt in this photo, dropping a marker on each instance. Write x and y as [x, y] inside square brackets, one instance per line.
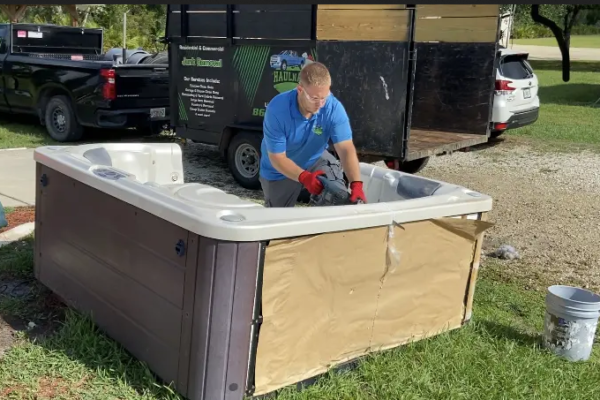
[303, 140]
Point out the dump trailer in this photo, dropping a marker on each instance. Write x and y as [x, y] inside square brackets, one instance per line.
[416, 80]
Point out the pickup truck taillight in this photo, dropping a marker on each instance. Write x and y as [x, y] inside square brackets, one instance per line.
[109, 89]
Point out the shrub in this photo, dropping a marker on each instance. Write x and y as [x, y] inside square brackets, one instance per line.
[534, 31]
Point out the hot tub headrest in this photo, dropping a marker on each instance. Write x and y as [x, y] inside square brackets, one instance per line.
[414, 187]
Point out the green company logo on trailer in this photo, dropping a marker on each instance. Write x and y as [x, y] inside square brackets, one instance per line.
[250, 63]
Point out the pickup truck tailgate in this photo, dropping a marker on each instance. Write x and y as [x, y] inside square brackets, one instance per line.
[141, 86]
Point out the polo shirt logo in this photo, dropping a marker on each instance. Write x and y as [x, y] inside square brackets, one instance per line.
[318, 130]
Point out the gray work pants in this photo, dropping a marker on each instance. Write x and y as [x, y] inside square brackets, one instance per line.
[285, 192]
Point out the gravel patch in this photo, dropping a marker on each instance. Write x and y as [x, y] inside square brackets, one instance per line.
[203, 164]
[545, 205]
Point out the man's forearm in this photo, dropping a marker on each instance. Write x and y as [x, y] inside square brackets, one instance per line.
[286, 166]
[349, 160]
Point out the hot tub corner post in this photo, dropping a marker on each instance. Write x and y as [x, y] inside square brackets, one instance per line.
[224, 321]
[256, 323]
[473, 274]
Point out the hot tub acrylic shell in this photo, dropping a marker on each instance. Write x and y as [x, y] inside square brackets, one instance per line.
[226, 298]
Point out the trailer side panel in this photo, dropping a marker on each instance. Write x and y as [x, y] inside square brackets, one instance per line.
[455, 67]
[367, 53]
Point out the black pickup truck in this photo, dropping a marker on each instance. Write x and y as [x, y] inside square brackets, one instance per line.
[60, 74]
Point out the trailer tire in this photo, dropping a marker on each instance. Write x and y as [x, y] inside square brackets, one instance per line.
[61, 121]
[243, 159]
[413, 166]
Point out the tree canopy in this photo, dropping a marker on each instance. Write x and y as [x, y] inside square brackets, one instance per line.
[145, 22]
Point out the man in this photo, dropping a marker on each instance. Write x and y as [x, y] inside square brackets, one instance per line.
[298, 125]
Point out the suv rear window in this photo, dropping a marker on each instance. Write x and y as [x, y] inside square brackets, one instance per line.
[515, 67]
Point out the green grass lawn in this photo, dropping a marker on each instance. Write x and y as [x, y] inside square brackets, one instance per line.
[567, 117]
[496, 356]
[579, 41]
[25, 131]
[21, 132]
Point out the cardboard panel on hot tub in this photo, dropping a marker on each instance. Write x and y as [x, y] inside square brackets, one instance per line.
[331, 298]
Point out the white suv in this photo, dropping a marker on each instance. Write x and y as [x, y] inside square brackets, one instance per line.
[516, 101]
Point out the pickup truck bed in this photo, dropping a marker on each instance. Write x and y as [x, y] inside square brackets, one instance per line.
[70, 84]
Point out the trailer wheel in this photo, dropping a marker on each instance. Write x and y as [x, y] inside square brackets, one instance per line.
[414, 166]
[243, 158]
[61, 122]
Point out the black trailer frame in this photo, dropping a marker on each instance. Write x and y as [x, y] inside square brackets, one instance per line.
[224, 105]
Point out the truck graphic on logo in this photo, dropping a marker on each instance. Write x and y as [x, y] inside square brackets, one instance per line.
[287, 66]
[286, 59]
[289, 58]
[260, 69]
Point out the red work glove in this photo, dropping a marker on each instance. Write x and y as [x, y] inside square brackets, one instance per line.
[356, 192]
[310, 181]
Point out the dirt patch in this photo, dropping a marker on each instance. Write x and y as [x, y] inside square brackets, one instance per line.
[50, 388]
[19, 216]
[7, 336]
[39, 314]
[25, 304]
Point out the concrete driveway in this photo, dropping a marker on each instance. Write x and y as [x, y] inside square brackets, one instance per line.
[17, 177]
[553, 53]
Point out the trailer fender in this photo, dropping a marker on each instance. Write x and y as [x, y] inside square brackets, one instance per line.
[228, 133]
[45, 93]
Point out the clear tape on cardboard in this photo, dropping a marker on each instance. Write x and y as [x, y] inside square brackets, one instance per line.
[393, 255]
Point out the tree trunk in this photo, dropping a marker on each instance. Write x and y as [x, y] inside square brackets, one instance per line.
[560, 39]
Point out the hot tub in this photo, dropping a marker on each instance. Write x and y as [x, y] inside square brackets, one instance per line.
[226, 298]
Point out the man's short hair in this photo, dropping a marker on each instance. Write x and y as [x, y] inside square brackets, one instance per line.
[315, 74]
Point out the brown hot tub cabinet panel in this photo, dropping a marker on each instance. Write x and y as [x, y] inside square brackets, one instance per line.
[226, 299]
[165, 294]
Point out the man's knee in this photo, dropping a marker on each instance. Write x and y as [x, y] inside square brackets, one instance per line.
[282, 193]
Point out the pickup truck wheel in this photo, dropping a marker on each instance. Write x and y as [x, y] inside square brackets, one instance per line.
[414, 166]
[60, 120]
[243, 158]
